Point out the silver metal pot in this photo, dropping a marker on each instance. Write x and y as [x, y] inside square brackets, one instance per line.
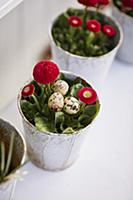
[125, 53]
[52, 151]
[93, 69]
[19, 154]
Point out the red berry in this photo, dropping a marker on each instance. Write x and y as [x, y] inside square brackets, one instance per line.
[88, 2]
[127, 3]
[45, 72]
[87, 95]
[75, 21]
[109, 30]
[28, 90]
[93, 25]
[103, 2]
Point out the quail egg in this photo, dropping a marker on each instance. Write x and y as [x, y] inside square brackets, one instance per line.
[71, 105]
[56, 101]
[61, 86]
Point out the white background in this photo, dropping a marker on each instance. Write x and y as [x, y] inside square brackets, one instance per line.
[104, 170]
[23, 39]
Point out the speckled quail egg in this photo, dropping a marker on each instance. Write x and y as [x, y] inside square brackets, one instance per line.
[71, 105]
[56, 101]
[61, 86]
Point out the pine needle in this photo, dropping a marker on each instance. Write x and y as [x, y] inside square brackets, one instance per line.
[10, 152]
[2, 156]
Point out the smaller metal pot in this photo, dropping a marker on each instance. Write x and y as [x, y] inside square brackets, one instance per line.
[19, 154]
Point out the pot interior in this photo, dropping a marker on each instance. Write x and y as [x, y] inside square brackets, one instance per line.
[18, 149]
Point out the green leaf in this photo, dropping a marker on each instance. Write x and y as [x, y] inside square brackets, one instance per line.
[84, 120]
[28, 109]
[90, 37]
[41, 123]
[68, 130]
[71, 121]
[73, 48]
[46, 111]
[75, 88]
[59, 120]
[10, 153]
[65, 46]
[59, 117]
[37, 87]
[62, 22]
[2, 159]
[79, 80]
[90, 110]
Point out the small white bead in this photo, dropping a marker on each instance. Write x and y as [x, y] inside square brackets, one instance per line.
[71, 105]
[56, 101]
[61, 86]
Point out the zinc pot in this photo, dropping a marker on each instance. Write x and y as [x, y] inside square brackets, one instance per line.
[125, 53]
[7, 187]
[52, 151]
[94, 69]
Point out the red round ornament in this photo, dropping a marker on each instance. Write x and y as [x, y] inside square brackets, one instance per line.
[75, 21]
[127, 3]
[109, 30]
[28, 90]
[87, 95]
[45, 72]
[103, 2]
[93, 25]
[88, 2]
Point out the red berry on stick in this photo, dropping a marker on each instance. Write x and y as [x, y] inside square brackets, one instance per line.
[45, 72]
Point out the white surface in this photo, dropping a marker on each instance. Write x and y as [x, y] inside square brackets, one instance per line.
[7, 5]
[104, 169]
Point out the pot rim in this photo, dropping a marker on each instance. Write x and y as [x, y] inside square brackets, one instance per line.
[93, 57]
[122, 13]
[46, 132]
[24, 146]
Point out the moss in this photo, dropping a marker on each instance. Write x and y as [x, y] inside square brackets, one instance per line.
[80, 41]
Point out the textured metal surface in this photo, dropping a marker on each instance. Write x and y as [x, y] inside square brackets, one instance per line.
[19, 154]
[93, 69]
[52, 151]
[125, 53]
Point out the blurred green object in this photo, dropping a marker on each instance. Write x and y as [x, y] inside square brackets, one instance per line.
[5, 160]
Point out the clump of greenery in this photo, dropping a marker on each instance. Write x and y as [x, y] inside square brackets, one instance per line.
[47, 120]
[81, 41]
[6, 158]
[119, 4]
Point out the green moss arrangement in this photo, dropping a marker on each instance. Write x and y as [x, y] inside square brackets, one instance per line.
[85, 33]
